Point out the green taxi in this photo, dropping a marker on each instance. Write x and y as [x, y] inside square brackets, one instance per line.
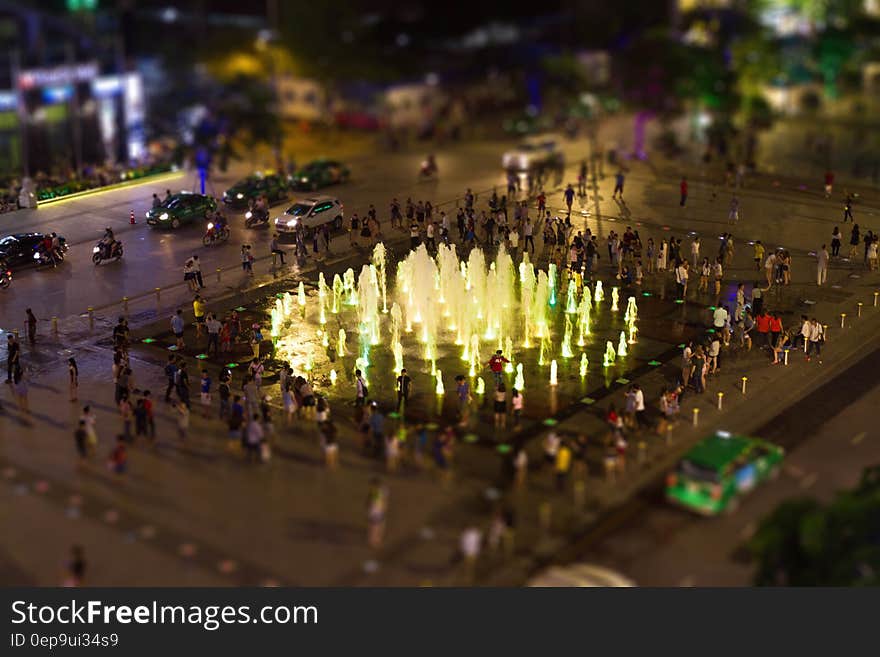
[320, 173]
[273, 186]
[179, 209]
[719, 469]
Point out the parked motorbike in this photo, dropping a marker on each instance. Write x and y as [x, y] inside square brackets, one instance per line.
[103, 251]
[256, 217]
[214, 234]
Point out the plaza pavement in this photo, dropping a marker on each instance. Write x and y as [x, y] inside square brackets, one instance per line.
[294, 523]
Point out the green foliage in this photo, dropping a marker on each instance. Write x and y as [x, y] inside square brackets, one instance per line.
[803, 543]
[249, 105]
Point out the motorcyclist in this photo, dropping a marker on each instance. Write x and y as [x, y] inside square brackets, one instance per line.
[46, 250]
[107, 243]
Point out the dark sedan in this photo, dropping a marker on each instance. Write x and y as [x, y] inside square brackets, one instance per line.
[272, 186]
[320, 173]
[179, 209]
[18, 250]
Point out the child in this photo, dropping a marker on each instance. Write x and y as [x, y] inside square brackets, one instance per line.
[516, 401]
[140, 418]
[205, 393]
[118, 457]
[223, 390]
[182, 420]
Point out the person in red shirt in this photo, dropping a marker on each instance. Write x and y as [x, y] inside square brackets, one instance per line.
[683, 187]
[542, 204]
[775, 329]
[762, 324]
[496, 364]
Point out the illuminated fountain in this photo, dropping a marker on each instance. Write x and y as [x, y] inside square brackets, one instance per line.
[520, 381]
[599, 294]
[585, 364]
[610, 354]
[615, 297]
[621, 345]
[632, 311]
[554, 371]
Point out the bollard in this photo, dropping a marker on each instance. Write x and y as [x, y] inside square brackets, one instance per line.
[720, 398]
[744, 379]
[55, 326]
[274, 259]
[158, 295]
[125, 304]
[15, 331]
[545, 515]
[785, 355]
[580, 493]
[218, 274]
[875, 298]
[668, 434]
[696, 416]
[825, 332]
[842, 320]
[643, 451]
[859, 304]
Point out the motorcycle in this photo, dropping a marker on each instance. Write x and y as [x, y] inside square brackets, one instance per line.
[214, 234]
[255, 217]
[428, 169]
[102, 252]
[43, 257]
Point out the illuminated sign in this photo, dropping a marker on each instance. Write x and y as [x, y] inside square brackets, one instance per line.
[42, 77]
[8, 101]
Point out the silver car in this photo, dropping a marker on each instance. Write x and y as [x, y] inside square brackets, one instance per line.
[311, 213]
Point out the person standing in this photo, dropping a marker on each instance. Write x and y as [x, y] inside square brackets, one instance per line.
[562, 465]
[528, 237]
[500, 406]
[197, 271]
[569, 197]
[73, 378]
[847, 208]
[205, 393]
[835, 242]
[81, 440]
[717, 273]
[177, 327]
[170, 376]
[758, 254]
[13, 355]
[463, 395]
[822, 266]
[681, 278]
[126, 412]
[30, 322]
[361, 390]
[181, 381]
[199, 311]
[516, 402]
[150, 416]
[695, 252]
[854, 240]
[683, 190]
[496, 364]
[377, 508]
[618, 184]
[213, 326]
[404, 388]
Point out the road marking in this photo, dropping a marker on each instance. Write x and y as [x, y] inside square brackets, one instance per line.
[809, 480]
[859, 437]
[688, 581]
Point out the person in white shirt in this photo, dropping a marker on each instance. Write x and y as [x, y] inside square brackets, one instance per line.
[822, 266]
[681, 279]
[513, 238]
[817, 334]
[695, 252]
[718, 273]
[719, 318]
[639, 405]
[471, 542]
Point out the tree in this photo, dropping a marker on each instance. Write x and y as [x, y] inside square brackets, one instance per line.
[803, 543]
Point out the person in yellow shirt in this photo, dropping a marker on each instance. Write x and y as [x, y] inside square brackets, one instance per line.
[562, 465]
[199, 310]
[759, 255]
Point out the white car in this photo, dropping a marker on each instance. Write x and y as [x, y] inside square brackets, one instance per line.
[533, 153]
[580, 575]
[311, 213]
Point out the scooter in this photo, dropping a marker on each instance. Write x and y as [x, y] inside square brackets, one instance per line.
[42, 257]
[428, 170]
[255, 217]
[102, 252]
[214, 234]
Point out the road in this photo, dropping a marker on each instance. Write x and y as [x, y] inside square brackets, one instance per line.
[658, 545]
